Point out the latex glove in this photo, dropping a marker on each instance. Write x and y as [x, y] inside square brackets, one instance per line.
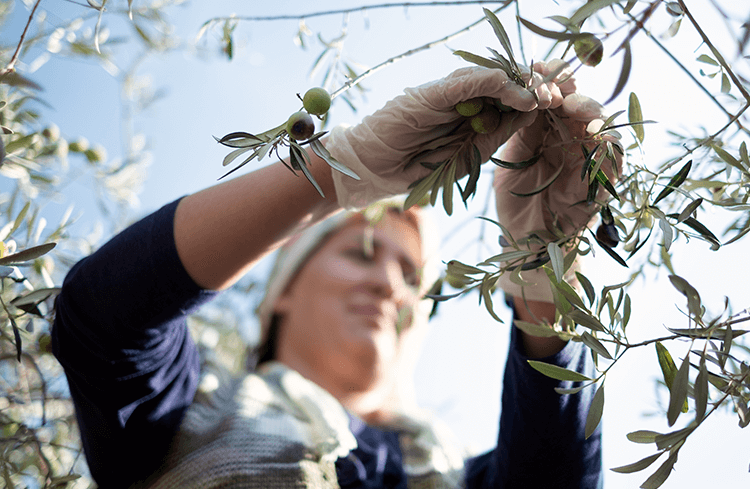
[379, 148]
[562, 206]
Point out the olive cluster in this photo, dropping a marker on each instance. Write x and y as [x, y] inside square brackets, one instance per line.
[300, 125]
[484, 113]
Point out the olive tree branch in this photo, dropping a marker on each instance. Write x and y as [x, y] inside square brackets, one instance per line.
[362, 8]
[12, 63]
[410, 52]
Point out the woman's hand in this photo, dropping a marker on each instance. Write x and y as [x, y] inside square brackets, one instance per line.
[379, 148]
[555, 138]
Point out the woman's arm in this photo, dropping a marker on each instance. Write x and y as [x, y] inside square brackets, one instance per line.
[221, 232]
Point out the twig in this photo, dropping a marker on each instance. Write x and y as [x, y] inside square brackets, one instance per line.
[267, 18]
[12, 63]
[410, 52]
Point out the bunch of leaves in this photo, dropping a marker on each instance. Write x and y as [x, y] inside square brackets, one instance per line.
[269, 142]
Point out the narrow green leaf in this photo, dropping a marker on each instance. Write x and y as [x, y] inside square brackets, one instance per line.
[660, 476]
[595, 345]
[587, 287]
[693, 297]
[535, 329]
[556, 258]
[542, 187]
[420, 189]
[678, 392]
[744, 155]
[518, 165]
[729, 159]
[586, 320]
[639, 465]
[455, 267]
[674, 182]
[558, 373]
[570, 294]
[502, 36]
[626, 310]
[558, 36]
[486, 290]
[320, 150]
[700, 391]
[449, 180]
[35, 296]
[704, 232]
[635, 116]
[643, 436]
[704, 58]
[689, 209]
[594, 416]
[17, 338]
[669, 440]
[726, 86]
[27, 254]
[479, 60]
[589, 9]
[627, 64]
[562, 391]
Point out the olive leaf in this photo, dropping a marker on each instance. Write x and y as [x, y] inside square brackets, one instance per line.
[592, 342]
[502, 36]
[702, 230]
[662, 473]
[693, 297]
[643, 436]
[535, 329]
[542, 187]
[17, 338]
[674, 182]
[320, 150]
[635, 116]
[558, 373]
[516, 165]
[589, 9]
[480, 60]
[594, 416]
[587, 287]
[678, 393]
[644, 463]
[27, 255]
[586, 320]
[488, 283]
[627, 64]
[700, 391]
[558, 36]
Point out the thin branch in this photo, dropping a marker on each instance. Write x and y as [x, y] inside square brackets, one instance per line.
[12, 64]
[267, 18]
[411, 52]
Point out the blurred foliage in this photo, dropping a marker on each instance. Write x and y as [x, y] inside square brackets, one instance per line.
[658, 204]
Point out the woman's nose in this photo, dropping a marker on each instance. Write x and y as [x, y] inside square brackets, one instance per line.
[387, 279]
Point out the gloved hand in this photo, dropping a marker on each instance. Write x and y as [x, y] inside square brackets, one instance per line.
[379, 148]
[562, 206]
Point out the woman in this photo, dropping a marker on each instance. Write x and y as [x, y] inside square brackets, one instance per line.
[335, 329]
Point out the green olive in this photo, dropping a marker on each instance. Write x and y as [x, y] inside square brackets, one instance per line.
[316, 101]
[471, 107]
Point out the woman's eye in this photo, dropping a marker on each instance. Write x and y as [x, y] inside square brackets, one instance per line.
[359, 254]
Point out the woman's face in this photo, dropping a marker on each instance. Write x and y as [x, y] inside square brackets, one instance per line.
[339, 315]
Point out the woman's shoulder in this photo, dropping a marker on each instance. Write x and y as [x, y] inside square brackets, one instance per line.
[271, 426]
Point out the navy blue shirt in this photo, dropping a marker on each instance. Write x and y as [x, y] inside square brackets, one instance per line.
[120, 333]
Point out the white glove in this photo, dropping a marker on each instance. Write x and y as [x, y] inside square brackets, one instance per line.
[379, 148]
[562, 206]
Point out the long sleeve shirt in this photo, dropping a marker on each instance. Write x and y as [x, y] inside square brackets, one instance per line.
[120, 333]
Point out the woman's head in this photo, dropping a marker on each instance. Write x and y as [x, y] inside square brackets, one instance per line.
[346, 301]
